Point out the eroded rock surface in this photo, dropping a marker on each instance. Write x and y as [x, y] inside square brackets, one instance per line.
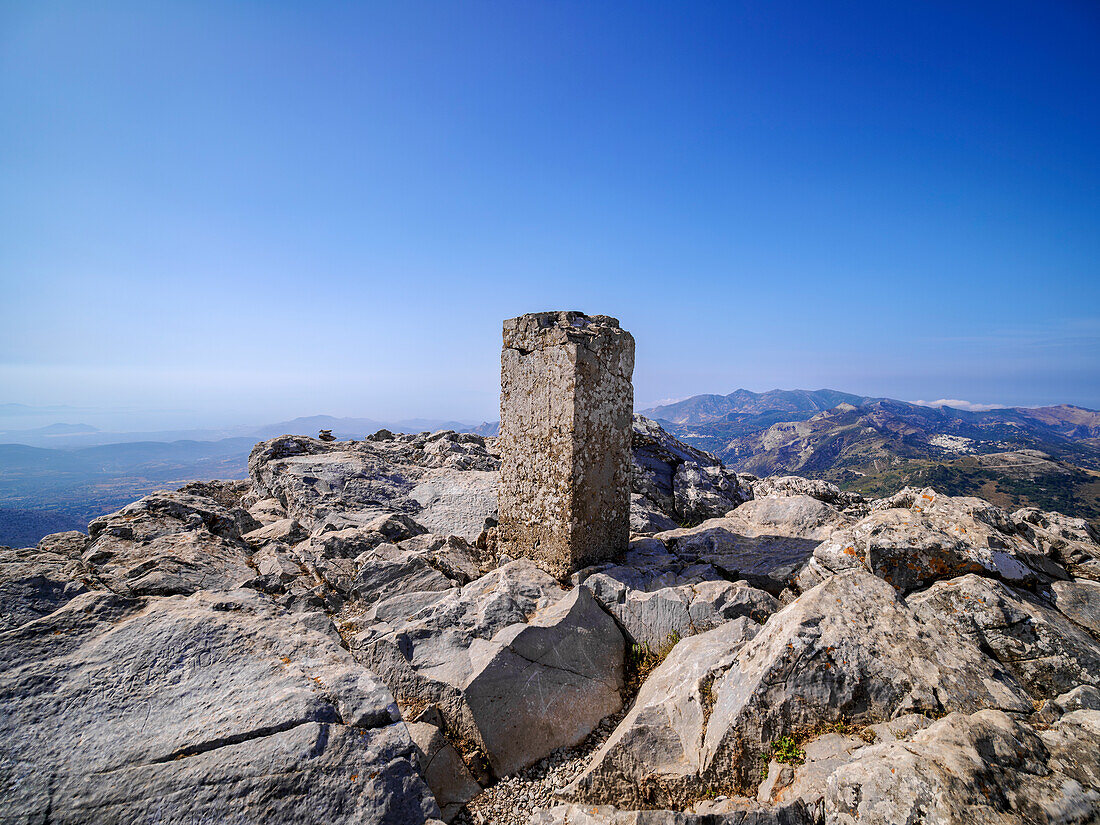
[847, 650]
[186, 661]
[515, 663]
[448, 478]
[214, 706]
[982, 767]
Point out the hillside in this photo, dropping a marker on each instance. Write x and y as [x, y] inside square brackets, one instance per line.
[707, 409]
[884, 444]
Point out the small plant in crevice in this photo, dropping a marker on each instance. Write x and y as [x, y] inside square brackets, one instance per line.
[642, 660]
[785, 749]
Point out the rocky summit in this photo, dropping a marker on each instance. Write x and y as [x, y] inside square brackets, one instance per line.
[342, 638]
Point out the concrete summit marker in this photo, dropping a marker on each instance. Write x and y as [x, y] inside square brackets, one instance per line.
[566, 402]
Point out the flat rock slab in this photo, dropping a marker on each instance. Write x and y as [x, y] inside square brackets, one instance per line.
[212, 707]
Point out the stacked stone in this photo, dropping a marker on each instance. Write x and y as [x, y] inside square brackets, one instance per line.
[565, 433]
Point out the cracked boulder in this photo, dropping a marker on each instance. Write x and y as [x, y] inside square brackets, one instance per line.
[780, 486]
[848, 650]
[36, 581]
[985, 767]
[171, 543]
[1045, 651]
[1071, 542]
[764, 540]
[445, 480]
[1080, 601]
[442, 767]
[209, 707]
[918, 537]
[680, 482]
[656, 596]
[654, 758]
[517, 666]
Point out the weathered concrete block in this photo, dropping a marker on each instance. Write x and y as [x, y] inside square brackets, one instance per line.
[565, 427]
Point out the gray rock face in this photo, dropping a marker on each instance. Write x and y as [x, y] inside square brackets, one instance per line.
[565, 408]
[983, 767]
[1044, 651]
[918, 537]
[778, 486]
[442, 767]
[169, 543]
[655, 757]
[1069, 541]
[683, 483]
[515, 664]
[763, 540]
[446, 478]
[456, 503]
[656, 596]
[646, 518]
[847, 650]
[724, 812]
[212, 707]
[34, 582]
[1080, 601]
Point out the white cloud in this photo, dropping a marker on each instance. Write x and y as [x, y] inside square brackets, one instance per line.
[959, 404]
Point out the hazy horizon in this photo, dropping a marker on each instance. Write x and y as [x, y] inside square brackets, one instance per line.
[263, 211]
[152, 420]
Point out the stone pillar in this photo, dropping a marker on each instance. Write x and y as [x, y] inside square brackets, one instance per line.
[566, 407]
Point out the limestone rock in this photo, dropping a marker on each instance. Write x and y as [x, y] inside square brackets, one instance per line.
[1043, 650]
[350, 484]
[1071, 542]
[700, 493]
[456, 503]
[286, 530]
[983, 767]
[723, 812]
[267, 510]
[763, 540]
[515, 664]
[168, 543]
[646, 518]
[70, 544]
[1080, 601]
[806, 783]
[686, 484]
[211, 707]
[846, 650]
[919, 536]
[815, 488]
[443, 769]
[35, 582]
[655, 598]
[655, 758]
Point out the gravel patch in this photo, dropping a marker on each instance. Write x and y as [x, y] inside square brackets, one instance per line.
[513, 799]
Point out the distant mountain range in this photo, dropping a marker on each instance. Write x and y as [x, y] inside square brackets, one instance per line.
[705, 409]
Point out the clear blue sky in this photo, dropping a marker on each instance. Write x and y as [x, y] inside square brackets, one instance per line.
[254, 210]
